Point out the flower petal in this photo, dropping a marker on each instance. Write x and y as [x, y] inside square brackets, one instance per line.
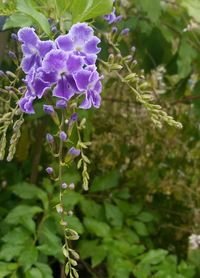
[44, 47]
[65, 43]
[91, 46]
[27, 35]
[80, 33]
[55, 61]
[74, 63]
[82, 79]
[29, 62]
[63, 89]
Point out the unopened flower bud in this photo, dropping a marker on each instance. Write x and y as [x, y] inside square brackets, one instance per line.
[64, 185]
[63, 136]
[114, 29]
[61, 104]
[2, 74]
[54, 29]
[49, 138]
[133, 49]
[70, 213]
[48, 109]
[14, 37]
[74, 117]
[71, 186]
[59, 208]
[125, 31]
[49, 170]
[12, 55]
[74, 152]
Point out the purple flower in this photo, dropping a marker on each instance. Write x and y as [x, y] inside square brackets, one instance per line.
[88, 82]
[33, 48]
[26, 104]
[81, 41]
[114, 29]
[49, 170]
[111, 18]
[74, 117]
[74, 152]
[49, 138]
[48, 109]
[63, 136]
[62, 65]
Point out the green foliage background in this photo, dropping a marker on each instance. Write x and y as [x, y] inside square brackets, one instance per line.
[144, 196]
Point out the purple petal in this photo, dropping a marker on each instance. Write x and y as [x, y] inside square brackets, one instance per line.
[27, 35]
[40, 87]
[55, 61]
[98, 87]
[90, 59]
[44, 47]
[86, 104]
[96, 99]
[82, 79]
[29, 62]
[63, 89]
[26, 105]
[91, 46]
[61, 103]
[74, 63]
[80, 33]
[65, 43]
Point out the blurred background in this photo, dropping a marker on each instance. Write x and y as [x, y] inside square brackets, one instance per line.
[141, 216]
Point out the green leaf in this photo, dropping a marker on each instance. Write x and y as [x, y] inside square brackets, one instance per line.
[114, 215]
[86, 9]
[29, 191]
[10, 251]
[26, 7]
[45, 270]
[145, 217]
[91, 209]
[152, 8]
[186, 56]
[21, 213]
[193, 8]
[153, 256]
[75, 224]
[34, 273]
[18, 20]
[97, 228]
[106, 182]
[140, 228]
[70, 199]
[99, 255]
[28, 256]
[87, 248]
[18, 235]
[7, 268]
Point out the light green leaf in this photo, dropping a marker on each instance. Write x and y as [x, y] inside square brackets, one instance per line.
[193, 8]
[75, 224]
[10, 251]
[34, 273]
[97, 228]
[140, 228]
[7, 268]
[91, 209]
[99, 255]
[86, 9]
[26, 7]
[152, 8]
[18, 20]
[153, 256]
[145, 216]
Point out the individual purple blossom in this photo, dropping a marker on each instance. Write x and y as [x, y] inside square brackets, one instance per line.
[63, 136]
[88, 82]
[125, 31]
[81, 41]
[62, 66]
[74, 117]
[49, 170]
[49, 138]
[33, 48]
[74, 152]
[114, 29]
[26, 104]
[48, 109]
[111, 18]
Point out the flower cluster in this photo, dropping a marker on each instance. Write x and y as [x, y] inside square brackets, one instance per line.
[66, 67]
